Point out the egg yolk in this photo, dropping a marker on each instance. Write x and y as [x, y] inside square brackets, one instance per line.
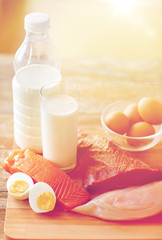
[18, 187]
[46, 201]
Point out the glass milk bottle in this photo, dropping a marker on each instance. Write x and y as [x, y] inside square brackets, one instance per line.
[36, 64]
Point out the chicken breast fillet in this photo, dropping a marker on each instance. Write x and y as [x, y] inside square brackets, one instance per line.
[126, 204]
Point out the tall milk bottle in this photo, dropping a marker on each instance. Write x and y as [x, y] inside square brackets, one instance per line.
[36, 63]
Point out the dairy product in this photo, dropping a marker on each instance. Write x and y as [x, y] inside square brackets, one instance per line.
[30, 131]
[26, 110]
[29, 80]
[27, 120]
[26, 103]
[26, 141]
[59, 130]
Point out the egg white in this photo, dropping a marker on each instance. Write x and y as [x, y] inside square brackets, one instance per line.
[23, 177]
[36, 190]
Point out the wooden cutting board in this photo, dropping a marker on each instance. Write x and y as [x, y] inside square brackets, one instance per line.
[22, 223]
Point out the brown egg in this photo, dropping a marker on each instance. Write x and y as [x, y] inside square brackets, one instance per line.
[132, 113]
[140, 129]
[117, 122]
[150, 110]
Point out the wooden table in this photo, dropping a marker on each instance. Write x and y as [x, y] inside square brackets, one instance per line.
[100, 82]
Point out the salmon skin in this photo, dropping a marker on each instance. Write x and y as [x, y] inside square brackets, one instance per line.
[106, 167]
[69, 194]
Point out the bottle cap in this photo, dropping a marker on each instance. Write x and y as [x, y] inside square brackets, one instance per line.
[37, 22]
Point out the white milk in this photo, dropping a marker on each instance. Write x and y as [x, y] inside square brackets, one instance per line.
[26, 103]
[27, 141]
[59, 130]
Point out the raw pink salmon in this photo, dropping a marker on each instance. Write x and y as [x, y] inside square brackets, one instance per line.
[69, 194]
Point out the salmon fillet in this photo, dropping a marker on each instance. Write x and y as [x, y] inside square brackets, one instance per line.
[106, 167]
[69, 194]
[125, 204]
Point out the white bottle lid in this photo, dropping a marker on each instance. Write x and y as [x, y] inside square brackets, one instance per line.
[37, 22]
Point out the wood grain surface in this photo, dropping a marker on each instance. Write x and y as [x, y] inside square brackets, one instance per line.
[23, 223]
[100, 82]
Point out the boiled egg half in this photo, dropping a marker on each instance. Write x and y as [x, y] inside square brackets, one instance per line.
[19, 185]
[42, 198]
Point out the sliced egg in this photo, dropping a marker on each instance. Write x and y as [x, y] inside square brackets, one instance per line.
[19, 184]
[42, 198]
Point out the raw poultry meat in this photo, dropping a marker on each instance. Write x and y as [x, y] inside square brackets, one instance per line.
[125, 204]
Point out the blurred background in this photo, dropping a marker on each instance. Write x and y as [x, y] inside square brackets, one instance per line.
[89, 28]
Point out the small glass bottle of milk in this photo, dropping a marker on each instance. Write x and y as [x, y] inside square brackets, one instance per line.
[36, 63]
